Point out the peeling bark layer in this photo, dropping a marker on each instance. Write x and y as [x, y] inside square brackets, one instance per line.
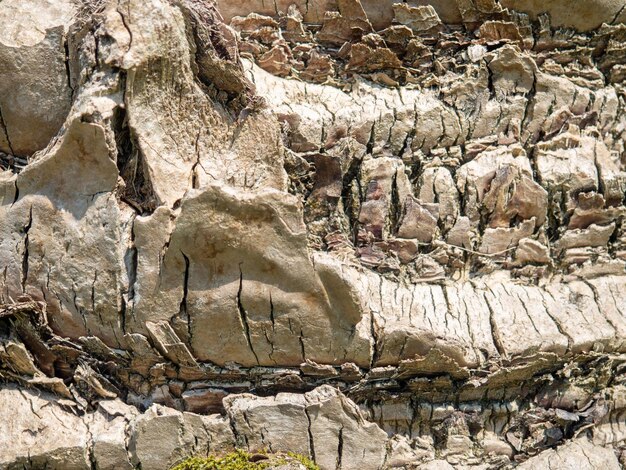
[380, 234]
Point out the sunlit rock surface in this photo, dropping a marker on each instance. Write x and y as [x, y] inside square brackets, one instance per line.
[379, 234]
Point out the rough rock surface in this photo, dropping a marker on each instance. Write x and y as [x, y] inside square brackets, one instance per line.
[381, 234]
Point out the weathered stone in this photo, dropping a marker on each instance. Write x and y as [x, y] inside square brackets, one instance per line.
[252, 22]
[495, 31]
[593, 236]
[568, 163]
[579, 454]
[514, 195]
[583, 16]
[419, 220]
[428, 209]
[341, 434]
[31, 46]
[276, 61]
[364, 58]
[348, 24]
[419, 19]
[531, 251]
[168, 344]
[163, 437]
[498, 241]
[277, 423]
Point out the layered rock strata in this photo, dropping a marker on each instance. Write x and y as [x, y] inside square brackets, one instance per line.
[379, 234]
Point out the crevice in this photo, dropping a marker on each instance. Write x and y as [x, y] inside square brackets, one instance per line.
[559, 327]
[137, 190]
[130, 261]
[243, 316]
[14, 164]
[310, 434]
[25, 254]
[272, 319]
[396, 204]
[126, 25]
[183, 311]
[301, 341]
[490, 86]
[5, 129]
[194, 170]
[68, 68]
[529, 108]
[122, 313]
[93, 294]
[495, 331]
[370, 142]
[374, 344]
[340, 449]
[617, 15]
[93, 464]
[350, 206]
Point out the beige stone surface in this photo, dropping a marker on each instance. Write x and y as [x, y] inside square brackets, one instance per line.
[312, 230]
[33, 46]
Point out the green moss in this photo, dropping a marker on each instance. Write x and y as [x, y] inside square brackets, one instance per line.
[308, 463]
[240, 460]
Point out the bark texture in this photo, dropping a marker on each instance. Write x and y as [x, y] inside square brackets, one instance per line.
[380, 234]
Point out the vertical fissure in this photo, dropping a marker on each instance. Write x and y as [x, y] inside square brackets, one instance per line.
[26, 255]
[183, 311]
[5, 130]
[243, 316]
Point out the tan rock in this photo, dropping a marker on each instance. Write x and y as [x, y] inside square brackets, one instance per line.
[531, 251]
[595, 235]
[419, 220]
[32, 110]
[252, 22]
[168, 344]
[364, 58]
[497, 241]
[340, 432]
[578, 454]
[495, 31]
[581, 15]
[447, 226]
[279, 423]
[419, 19]
[474, 178]
[229, 272]
[568, 162]
[276, 61]
[346, 25]
[514, 195]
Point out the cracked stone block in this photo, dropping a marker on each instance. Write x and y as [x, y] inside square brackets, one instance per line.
[372, 232]
[32, 110]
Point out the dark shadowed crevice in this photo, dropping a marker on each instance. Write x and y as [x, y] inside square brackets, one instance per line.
[340, 449]
[25, 254]
[12, 163]
[243, 316]
[183, 311]
[127, 302]
[216, 56]
[310, 434]
[137, 191]
[68, 68]
[5, 131]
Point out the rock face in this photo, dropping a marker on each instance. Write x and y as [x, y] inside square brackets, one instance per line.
[380, 234]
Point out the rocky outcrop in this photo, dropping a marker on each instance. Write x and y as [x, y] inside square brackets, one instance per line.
[322, 424]
[378, 234]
